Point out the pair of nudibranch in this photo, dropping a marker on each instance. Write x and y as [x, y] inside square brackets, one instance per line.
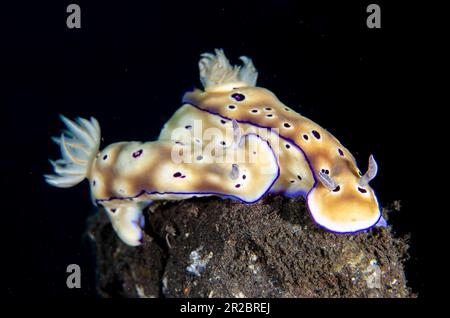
[271, 148]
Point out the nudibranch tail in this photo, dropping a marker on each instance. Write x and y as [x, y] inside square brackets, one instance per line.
[79, 145]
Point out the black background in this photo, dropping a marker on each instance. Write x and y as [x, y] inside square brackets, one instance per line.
[129, 65]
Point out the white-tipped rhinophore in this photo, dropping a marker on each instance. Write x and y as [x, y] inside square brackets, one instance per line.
[327, 181]
[371, 172]
[79, 144]
[234, 174]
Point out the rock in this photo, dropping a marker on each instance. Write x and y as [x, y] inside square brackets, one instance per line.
[209, 247]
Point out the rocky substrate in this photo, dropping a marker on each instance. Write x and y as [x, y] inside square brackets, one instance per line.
[209, 247]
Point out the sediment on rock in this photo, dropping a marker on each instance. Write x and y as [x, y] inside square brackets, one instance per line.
[209, 247]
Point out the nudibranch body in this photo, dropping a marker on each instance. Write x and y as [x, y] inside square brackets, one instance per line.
[295, 175]
[125, 177]
[233, 140]
[342, 201]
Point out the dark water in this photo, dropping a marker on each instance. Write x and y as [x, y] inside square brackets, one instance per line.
[130, 64]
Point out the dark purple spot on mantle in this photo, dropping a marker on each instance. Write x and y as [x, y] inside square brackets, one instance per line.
[238, 185]
[93, 183]
[268, 108]
[177, 174]
[341, 152]
[238, 97]
[316, 134]
[231, 107]
[326, 171]
[222, 121]
[362, 190]
[183, 176]
[199, 157]
[104, 157]
[254, 111]
[292, 181]
[244, 176]
[287, 125]
[299, 177]
[269, 115]
[286, 109]
[113, 210]
[288, 146]
[137, 153]
[337, 189]
[223, 143]
[188, 127]
[305, 136]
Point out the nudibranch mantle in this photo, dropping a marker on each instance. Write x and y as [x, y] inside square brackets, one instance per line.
[295, 174]
[292, 155]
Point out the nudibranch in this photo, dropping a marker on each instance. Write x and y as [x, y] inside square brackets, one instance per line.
[125, 177]
[232, 140]
[340, 198]
[295, 176]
